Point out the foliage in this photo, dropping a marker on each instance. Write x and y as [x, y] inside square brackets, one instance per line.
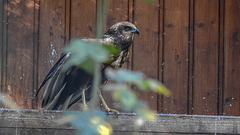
[85, 55]
[89, 57]
[88, 122]
[9, 103]
[138, 79]
[125, 95]
[92, 121]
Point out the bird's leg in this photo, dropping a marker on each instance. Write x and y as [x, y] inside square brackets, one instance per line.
[84, 100]
[106, 106]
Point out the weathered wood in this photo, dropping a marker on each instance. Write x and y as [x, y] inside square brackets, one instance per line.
[83, 15]
[18, 84]
[51, 36]
[232, 58]
[206, 38]
[175, 64]
[160, 52]
[32, 37]
[118, 11]
[190, 57]
[47, 122]
[145, 48]
[35, 50]
[221, 57]
[1, 44]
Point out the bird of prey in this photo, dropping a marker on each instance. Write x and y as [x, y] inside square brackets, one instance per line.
[63, 88]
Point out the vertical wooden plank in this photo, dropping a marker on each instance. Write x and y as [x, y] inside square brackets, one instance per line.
[1, 43]
[190, 56]
[82, 22]
[83, 13]
[35, 50]
[160, 51]
[175, 68]
[118, 11]
[205, 83]
[145, 48]
[51, 36]
[19, 67]
[232, 58]
[221, 57]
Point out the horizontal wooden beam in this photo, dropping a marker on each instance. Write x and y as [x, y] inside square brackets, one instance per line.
[47, 122]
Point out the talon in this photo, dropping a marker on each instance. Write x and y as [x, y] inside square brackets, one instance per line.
[116, 112]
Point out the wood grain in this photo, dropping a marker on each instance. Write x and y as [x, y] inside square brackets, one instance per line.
[175, 62]
[83, 15]
[190, 45]
[145, 48]
[118, 11]
[47, 122]
[18, 84]
[35, 50]
[1, 44]
[232, 58]
[205, 82]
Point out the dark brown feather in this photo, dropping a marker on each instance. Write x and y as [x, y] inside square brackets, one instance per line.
[64, 88]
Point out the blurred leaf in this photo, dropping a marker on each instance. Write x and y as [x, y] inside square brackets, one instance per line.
[124, 75]
[112, 49]
[158, 87]
[85, 55]
[143, 84]
[148, 114]
[6, 102]
[105, 129]
[123, 94]
[88, 122]
[129, 100]
[142, 109]
[138, 79]
[88, 65]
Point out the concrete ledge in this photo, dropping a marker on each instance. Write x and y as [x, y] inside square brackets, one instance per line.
[46, 122]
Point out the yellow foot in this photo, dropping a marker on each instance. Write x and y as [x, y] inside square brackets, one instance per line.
[116, 112]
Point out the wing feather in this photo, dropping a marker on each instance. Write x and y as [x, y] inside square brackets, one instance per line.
[64, 88]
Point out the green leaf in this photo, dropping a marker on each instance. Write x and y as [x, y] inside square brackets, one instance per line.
[112, 49]
[88, 65]
[123, 75]
[9, 103]
[138, 79]
[88, 122]
[123, 94]
[85, 55]
[158, 87]
[141, 108]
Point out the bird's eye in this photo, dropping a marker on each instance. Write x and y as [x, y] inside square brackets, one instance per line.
[128, 28]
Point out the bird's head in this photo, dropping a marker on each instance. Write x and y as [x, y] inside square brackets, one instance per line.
[123, 33]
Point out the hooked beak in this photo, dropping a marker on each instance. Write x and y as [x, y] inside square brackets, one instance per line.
[135, 31]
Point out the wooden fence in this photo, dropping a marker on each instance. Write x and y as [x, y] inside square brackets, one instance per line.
[192, 46]
[32, 122]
